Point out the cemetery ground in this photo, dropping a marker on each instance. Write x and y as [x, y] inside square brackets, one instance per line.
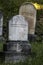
[36, 58]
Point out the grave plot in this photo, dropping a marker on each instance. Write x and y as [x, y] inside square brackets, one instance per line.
[17, 46]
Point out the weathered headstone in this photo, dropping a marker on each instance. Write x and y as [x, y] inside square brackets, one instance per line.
[18, 29]
[29, 12]
[1, 25]
[18, 47]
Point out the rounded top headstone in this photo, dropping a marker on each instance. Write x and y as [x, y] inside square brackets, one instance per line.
[29, 12]
[18, 28]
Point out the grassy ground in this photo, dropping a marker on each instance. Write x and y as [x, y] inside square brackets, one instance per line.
[35, 59]
[1, 45]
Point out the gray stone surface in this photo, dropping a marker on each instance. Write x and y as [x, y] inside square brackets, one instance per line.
[15, 58]
[18, 28]
[18, 44]
[14, 54]
[1, 23]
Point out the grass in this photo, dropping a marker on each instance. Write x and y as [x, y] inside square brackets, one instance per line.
[35, 59]
[1, 45]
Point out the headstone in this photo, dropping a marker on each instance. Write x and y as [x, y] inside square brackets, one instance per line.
[18, 47]
[1, 25]
[29, 12]
[18, 29]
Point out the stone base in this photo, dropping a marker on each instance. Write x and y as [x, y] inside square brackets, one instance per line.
[15, 57]
[17, 51]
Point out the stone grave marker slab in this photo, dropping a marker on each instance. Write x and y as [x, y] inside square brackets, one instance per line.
[18, 47]
[29, 12]
[18, 29]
